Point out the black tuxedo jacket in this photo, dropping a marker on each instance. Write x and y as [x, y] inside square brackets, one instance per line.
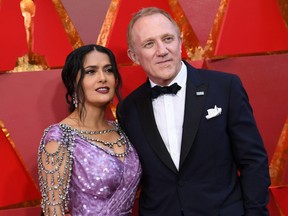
[223, 164]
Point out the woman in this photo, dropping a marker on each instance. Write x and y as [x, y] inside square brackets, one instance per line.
[87, 166]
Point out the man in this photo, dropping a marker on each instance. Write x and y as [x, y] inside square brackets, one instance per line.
[200, 149]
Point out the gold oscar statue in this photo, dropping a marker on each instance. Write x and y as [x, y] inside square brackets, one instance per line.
[28, 11]
[31, 61]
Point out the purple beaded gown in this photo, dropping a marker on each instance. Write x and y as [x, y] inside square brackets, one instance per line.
[94, 182]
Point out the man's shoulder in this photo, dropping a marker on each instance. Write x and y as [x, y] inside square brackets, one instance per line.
[130, 101]
[210, 74]
[204, 71]
[137, 92]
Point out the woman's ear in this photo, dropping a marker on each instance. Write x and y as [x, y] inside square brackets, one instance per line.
[131, 54]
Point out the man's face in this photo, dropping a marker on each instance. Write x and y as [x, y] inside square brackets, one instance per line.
[157, 48]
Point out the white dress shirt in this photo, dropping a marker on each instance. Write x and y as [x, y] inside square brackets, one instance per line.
[169, 114]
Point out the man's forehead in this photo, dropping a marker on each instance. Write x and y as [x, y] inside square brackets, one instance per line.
[150, 25]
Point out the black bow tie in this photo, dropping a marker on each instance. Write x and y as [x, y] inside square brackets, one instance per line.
[158, 90]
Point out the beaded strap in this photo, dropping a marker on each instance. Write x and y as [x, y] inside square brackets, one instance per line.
[55, 173]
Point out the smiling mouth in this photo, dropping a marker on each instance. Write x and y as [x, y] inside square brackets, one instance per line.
[102, 90]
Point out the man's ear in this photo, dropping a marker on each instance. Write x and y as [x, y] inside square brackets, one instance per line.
[132, 56]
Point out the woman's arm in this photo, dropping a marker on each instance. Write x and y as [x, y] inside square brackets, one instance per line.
[54, 177]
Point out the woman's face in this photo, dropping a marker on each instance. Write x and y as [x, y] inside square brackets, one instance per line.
[99, 80]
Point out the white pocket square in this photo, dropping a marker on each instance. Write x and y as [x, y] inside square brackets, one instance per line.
[213, 112]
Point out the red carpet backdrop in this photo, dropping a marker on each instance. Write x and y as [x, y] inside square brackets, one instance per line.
[248, 38]
[17, 187]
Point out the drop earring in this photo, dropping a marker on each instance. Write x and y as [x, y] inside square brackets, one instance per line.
[75, 100]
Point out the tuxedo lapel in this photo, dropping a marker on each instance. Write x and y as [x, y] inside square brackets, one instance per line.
[196, 92]
[145, 109]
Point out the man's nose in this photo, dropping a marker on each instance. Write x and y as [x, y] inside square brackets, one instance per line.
[161, 49]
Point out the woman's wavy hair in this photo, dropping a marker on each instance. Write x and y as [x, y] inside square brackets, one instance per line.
[74, 65]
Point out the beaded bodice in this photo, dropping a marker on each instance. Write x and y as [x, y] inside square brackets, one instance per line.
[94, 181]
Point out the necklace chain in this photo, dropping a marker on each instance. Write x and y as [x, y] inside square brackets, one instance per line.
[119, 142]
[96, 132]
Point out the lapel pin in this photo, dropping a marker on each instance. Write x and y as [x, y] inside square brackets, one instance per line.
[200, 93]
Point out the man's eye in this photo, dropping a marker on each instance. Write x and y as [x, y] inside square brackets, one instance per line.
[148, 44]
[168, 39]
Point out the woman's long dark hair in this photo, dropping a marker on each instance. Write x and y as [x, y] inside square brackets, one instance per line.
[74, 65]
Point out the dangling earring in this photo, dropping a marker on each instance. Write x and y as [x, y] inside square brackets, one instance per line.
[75, 100]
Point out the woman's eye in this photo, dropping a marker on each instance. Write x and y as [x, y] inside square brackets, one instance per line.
[109, 69]
[89, 71]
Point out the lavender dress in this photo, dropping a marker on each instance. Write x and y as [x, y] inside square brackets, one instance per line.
[94, 181]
